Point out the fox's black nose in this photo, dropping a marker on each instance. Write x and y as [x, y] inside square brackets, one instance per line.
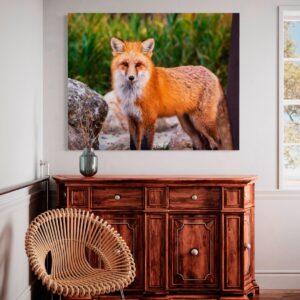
[131, 77]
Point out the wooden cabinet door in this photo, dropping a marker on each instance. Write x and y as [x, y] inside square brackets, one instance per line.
[193, 251]
[130, 227]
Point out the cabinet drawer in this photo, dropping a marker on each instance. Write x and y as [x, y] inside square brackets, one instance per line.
[195, 197]
[117, 198]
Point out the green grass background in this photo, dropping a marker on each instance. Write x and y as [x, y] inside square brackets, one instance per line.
[180, 39]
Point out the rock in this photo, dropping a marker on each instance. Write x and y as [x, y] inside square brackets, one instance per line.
[180, 141]
[165, 124]
[74, 140]
[87, 111]
[114, 141]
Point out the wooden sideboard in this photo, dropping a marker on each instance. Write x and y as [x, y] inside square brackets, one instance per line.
[191, 237]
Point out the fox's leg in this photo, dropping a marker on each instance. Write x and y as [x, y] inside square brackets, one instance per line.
[148, 137]
[208, 128]
[132, 143]
[132, 132]
[211, 131]
[136, 131]
[188, 127]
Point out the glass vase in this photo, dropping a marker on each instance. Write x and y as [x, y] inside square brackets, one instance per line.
[88, 162]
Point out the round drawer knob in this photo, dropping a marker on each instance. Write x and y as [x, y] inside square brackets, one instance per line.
[194, 197]
[194, 252]
[117, 197]
[247, 246]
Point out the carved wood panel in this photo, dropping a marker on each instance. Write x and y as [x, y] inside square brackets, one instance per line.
[194, 251]
[156, 251]
[156, 197]
[233, 198]
[78, 196]
[232, 252]
[130, 227]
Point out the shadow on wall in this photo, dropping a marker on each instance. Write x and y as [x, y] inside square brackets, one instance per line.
[5, 251]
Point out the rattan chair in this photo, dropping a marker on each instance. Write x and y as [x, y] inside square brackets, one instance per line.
[67, 234]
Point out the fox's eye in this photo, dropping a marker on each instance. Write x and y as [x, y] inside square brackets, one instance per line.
[125, 64]
[138, 65]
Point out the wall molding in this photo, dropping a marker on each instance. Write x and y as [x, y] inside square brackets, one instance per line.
[17, 199]
[277, 195]
[277, 272]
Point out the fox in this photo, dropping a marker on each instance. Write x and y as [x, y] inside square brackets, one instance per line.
[147, 92]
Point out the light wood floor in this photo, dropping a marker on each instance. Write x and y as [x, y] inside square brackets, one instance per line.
[278, 294]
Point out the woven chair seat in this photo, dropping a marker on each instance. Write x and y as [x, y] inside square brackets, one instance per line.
[68, 234]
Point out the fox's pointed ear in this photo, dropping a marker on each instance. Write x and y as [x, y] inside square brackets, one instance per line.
[117, 46]
[148, 46]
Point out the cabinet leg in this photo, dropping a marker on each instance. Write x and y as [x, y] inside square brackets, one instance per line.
[256, 288]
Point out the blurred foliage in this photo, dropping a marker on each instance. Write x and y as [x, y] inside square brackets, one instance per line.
[180, 39]
[292, 157]
[292, 80]
[292, 124]
[289, 43]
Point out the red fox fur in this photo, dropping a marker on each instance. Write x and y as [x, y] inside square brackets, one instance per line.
[147, 92]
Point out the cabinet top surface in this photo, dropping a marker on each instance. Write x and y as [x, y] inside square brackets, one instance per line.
[155, 178]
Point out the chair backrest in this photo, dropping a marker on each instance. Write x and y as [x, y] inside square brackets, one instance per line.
[67, 234]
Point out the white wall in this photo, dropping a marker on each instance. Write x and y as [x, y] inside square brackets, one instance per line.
[277, 239]
[21, 92]
[21, 50]
[277, 214]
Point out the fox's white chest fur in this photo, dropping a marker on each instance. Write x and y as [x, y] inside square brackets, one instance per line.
[129, 93]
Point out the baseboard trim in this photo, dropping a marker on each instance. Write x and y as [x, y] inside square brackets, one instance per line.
[278, 281]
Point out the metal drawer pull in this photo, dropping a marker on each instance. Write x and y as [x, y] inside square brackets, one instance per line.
[194, 252]
[194, 197]
[117, 197]
[247, 246]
